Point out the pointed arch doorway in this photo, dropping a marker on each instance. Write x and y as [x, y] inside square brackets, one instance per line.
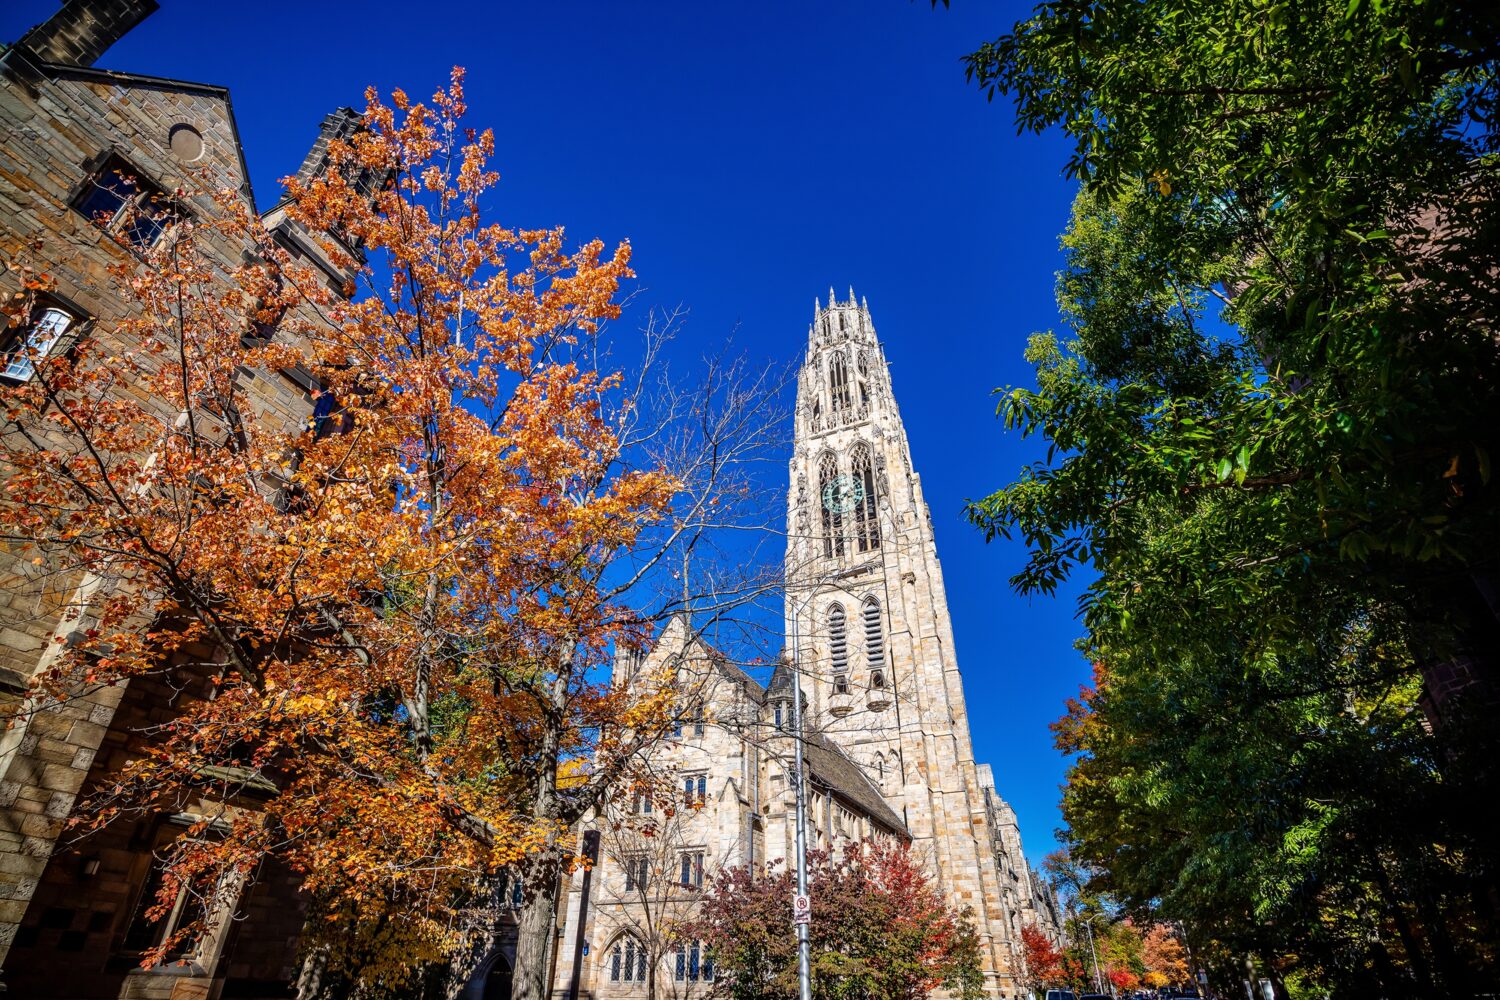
[497, 981]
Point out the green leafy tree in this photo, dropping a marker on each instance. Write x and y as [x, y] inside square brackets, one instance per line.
[1270, 437]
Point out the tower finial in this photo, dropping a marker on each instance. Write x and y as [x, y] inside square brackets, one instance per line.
[851, 295]
[817, 308]
[831, 300]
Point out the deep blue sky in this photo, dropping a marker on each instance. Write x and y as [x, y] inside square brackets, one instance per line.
[754, 154]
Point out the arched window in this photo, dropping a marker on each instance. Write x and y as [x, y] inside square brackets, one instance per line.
[866, 521]
[880, 770]
[627, 960]
[833, 523]
[838, 382]
[838, 645]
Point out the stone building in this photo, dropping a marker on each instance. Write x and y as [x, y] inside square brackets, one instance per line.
[79, 143]
[888, 745]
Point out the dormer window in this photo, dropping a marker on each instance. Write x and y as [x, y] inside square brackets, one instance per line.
[116, 200]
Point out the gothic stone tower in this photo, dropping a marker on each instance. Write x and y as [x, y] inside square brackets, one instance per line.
[867, 609]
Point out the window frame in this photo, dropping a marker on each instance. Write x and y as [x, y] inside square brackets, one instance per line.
[628, 959]
[16, 340]
[200, 955]
[691, 864]
[150, 201]
[694, 964]
[637, 868]
[695, 787]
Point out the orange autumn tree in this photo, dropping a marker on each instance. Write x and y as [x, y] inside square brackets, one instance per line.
[1165, 957]
[387, 621]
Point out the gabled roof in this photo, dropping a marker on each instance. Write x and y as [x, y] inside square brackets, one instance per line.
[166, 83]
[829, 766]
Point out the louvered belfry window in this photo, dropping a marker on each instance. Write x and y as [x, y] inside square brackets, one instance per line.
[838, 383]
[874, 643]
[838, 640]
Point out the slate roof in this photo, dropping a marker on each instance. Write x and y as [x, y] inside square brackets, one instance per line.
[828, 766]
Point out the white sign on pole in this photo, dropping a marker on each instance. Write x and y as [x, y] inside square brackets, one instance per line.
[801, 910]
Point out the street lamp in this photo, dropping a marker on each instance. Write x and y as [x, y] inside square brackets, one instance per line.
[1089, 926]
[804, 938]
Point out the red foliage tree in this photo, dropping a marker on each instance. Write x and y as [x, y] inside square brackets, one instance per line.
[1043, 962]
[879, 930]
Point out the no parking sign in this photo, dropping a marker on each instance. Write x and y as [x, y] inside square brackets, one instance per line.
[801, 910]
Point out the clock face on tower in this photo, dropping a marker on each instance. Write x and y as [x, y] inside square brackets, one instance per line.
[843, 494]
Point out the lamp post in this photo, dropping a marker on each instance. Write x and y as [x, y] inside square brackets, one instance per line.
[1089, 926]
[804, 938]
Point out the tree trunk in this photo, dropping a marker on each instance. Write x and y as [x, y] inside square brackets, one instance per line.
[535, 935]
[310, 977]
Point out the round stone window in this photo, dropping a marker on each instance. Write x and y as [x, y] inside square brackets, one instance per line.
[186, 142]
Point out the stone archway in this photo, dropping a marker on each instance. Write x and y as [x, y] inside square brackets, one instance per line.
[497, 981]
[491, 978]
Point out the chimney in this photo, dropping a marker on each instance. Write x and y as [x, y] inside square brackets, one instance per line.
[78, 34]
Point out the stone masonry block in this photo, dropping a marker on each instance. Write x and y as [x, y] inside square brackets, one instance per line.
[62, 778]
[86, 734]
[41, 828]
[59, 805]
[21, 865]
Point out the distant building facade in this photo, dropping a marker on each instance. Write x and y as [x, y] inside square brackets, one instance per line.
[889, 749]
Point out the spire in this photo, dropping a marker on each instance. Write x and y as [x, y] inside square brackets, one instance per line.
[851, 295]
[831, 300]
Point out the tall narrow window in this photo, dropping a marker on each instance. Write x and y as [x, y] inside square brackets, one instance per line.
[691, 875]
[862, 366]
[695, 788]
[838, 640]
[637, 873]
[838, 384]
[693, 963]
[866, 521]
[833, 519]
